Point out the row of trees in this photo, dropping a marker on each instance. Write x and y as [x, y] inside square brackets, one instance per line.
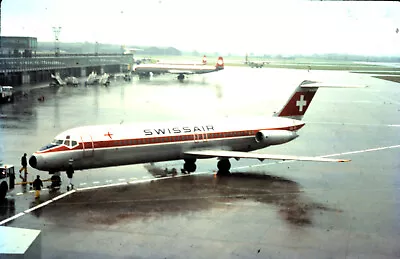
[89, 47]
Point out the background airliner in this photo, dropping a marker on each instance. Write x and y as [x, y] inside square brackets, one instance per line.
[112, 145]
[166, 62]
[144, 70]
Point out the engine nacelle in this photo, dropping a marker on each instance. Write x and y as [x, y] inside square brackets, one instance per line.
[275, 137]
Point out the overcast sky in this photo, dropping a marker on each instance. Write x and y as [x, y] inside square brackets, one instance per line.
[224, 26]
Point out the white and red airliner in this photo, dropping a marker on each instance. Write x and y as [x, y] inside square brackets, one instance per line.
[144, 70]
[112, 145]
[190, 63]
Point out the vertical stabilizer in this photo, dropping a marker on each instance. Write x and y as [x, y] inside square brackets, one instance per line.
[299, 102]
[220, 63]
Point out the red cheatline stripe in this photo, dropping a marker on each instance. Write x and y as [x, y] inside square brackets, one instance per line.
[165, 139]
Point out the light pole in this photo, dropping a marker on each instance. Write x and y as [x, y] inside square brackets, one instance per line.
[56, 31]
[96, 48]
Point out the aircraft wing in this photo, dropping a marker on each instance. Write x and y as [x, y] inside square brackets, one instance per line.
[183, 72]
[237, 155]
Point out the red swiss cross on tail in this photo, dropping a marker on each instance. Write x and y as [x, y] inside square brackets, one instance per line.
[299, 102]
[301, 98]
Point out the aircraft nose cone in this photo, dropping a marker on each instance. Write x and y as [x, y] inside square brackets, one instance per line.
[33, 161]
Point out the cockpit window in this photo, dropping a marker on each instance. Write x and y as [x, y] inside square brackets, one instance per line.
[48, 146]
[57, 141]
[54, 143]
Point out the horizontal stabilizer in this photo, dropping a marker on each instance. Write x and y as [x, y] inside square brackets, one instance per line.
[301, 98]
[311, 84]
[237, 155]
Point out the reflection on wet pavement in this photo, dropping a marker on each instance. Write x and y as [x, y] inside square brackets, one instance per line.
[187, 195]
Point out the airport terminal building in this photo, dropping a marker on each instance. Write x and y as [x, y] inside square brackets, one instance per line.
[12, 46]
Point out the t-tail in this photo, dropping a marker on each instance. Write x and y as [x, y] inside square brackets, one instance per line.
[301, 98]
[220, 63]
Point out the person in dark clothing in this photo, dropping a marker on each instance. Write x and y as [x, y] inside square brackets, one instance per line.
[70, 174]
[24, 165]
[37, 185]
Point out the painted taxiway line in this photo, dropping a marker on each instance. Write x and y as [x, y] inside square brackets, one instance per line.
[176, 176]
[36, 207]
[148, 179]
[363, 151]
[12, 218]
[352, 124]
[91, 188]
[330, 155]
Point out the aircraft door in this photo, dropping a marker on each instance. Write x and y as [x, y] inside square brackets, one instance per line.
[200, 137]
[88, 146]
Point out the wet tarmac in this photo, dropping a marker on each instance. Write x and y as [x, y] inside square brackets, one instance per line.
[263, 210]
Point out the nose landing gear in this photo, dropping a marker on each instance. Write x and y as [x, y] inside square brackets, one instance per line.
[70, 174]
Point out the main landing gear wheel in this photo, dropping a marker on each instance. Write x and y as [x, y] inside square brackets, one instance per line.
[223, 167]
[55, 182]
[3, 190]
[189, 165]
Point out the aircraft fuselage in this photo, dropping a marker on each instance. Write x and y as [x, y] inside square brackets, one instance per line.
[113, 145]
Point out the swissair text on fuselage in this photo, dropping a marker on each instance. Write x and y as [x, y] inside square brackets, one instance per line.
[179, 130]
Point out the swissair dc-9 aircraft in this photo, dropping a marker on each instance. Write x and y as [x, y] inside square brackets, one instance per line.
[112, 145]
[144, 70]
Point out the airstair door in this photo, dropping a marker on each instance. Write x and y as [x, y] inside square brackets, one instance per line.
[200, 137]
[88, 146]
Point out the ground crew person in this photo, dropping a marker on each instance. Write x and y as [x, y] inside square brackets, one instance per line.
[24, 165]
[70, 174]
[37, 185]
